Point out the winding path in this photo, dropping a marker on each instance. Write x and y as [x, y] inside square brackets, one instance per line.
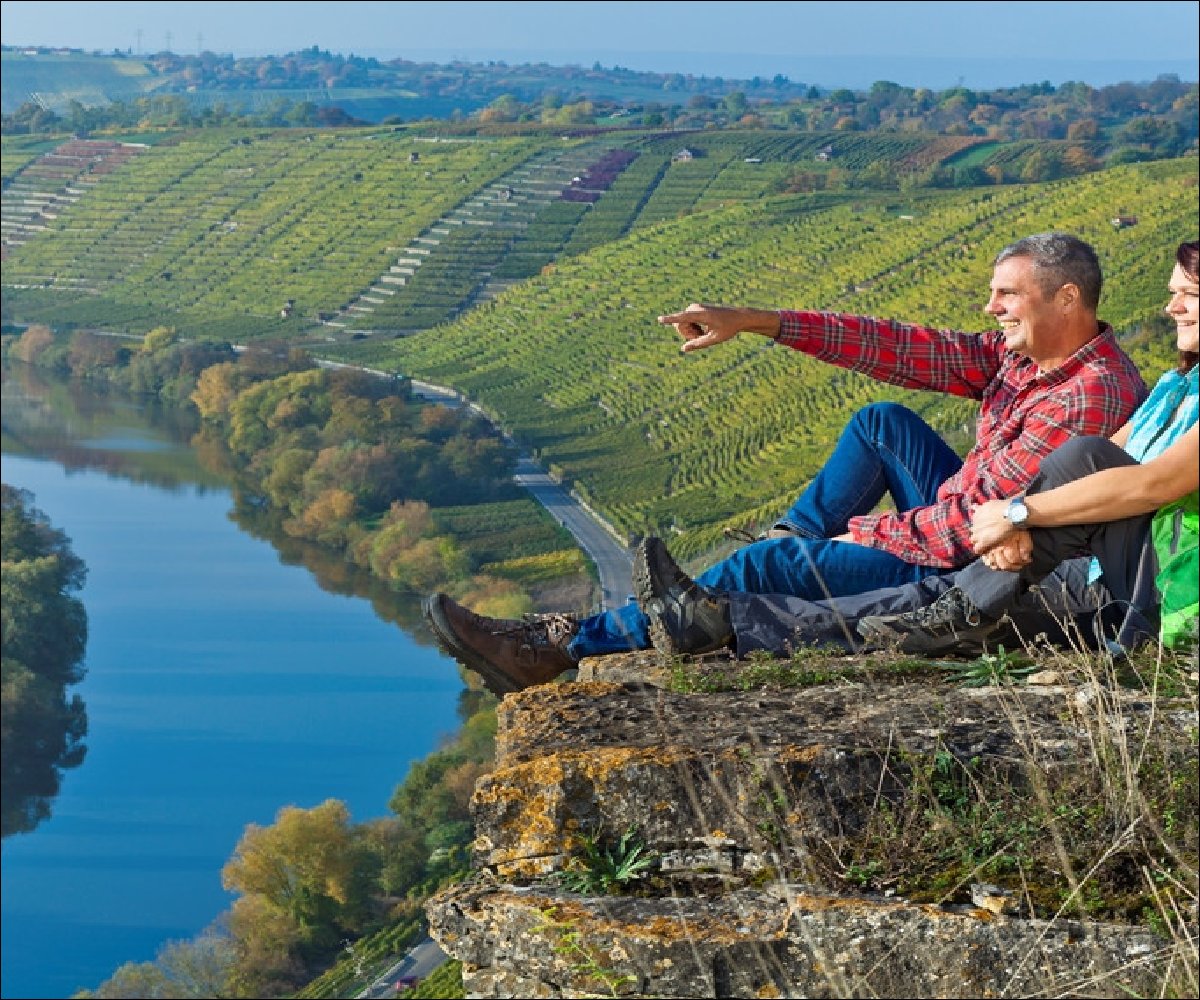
[595, 536]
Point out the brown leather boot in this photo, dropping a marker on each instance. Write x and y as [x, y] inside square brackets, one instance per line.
[509, 654]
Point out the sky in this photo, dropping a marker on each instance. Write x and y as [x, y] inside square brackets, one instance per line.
[936, 44]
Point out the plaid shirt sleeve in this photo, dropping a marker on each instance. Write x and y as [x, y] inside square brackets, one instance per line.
[916, 357]
[940, 534]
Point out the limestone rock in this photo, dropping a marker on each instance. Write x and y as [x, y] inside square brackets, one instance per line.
[748, 799]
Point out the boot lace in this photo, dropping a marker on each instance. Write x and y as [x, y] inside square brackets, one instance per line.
[553, 629]
[952, 609]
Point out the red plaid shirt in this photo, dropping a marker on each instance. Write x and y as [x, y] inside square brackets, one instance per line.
[1025, 413]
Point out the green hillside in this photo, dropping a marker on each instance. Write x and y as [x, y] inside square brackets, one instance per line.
[575, 364]
[214, 234]
[56, 79]
[528, 272]
[218, 232]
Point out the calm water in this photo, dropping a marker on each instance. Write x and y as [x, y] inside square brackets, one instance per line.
[223, 683]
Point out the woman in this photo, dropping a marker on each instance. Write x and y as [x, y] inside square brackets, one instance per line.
[1112, 497]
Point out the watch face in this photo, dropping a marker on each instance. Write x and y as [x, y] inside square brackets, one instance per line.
[1017, 512]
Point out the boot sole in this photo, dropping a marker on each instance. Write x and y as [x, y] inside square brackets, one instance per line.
[643, 590]
[966, 643]
[498, 683]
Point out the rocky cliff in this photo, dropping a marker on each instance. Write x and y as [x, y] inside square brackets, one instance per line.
[849, 829]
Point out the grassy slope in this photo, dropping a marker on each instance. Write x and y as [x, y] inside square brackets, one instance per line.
[214, 233]
[575, 364]
[60, 78]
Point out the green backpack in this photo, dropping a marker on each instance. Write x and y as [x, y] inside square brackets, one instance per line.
[1176, 535]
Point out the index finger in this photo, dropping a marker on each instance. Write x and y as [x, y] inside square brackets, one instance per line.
[688, 315]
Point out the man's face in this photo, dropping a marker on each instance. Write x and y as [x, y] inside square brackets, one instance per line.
[1030, 321]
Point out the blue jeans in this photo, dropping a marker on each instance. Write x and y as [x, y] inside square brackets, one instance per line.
[885, 449]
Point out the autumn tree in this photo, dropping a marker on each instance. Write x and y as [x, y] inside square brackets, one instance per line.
[34, 342]
[308, 871]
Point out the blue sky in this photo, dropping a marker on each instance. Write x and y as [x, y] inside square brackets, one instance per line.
[828, 43]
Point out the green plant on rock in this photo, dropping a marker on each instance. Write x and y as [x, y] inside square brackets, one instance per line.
[1000, 667]
[583, 959]
[605, 867]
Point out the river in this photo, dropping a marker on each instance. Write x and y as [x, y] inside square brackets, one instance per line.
[225, 680]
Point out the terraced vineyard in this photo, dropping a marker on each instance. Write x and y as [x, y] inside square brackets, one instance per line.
[221, 233]
[364, 242]
[324, 236]
[504, 232]
[575, 364]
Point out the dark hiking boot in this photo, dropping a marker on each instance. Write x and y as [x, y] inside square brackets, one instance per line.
[950, 624]
[684, 617]
[509, 654]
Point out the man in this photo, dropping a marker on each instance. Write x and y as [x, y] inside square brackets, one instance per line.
[1052, 371]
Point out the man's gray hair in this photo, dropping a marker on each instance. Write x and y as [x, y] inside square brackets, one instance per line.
[1060, 259]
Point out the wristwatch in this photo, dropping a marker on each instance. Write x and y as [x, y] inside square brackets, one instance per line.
[1017, 513]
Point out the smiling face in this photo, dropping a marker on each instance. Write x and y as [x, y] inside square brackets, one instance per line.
[1032, 323]
[1184, 309]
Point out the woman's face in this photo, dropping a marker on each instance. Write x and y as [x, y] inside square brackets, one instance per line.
[1184, 308]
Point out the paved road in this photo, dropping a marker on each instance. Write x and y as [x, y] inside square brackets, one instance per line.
[612, 558]
[419, 962]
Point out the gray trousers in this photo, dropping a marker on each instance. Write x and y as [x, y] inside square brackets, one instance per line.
[1050, 597]
[1126, 593]
[1063, 608]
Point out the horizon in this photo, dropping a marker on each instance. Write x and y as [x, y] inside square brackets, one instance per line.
[918, 44]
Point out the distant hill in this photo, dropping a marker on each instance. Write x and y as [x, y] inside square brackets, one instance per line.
[364, 87]
[57, 78]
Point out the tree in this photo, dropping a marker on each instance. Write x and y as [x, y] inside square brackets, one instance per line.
[34, 342]
[309, 867]
[971, 176]
[1083, 130]
[216, 389]
[735, 104]
[1043, 164]
[158, 339]
[181, 970]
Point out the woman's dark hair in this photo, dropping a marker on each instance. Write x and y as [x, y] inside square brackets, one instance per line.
[1187, 256]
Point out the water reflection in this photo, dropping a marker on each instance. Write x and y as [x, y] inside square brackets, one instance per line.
[81, 426]
[84, 426]
[332, 572]
[41, 737]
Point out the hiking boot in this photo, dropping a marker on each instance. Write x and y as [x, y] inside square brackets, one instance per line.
[509, 654]
[684, 617]
[950, 624]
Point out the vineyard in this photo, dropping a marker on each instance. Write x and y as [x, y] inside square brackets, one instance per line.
[327, 236]
[575, 365]
[528, 272]
[231, 234]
